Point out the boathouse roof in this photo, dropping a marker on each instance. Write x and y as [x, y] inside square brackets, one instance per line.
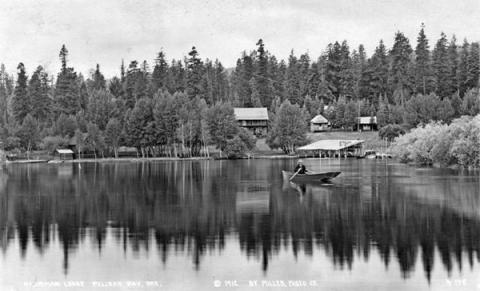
[330, 145]
[64, 151]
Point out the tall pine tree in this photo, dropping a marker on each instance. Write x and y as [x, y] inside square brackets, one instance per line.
[378, 71]
[361, 77]
[98, 79]
[261, 75]
[346, 72]
[5, 83]
[194, 74]
[21, 104]
[131, 85]
[423, 73]
[160, 72]
[333, 68]
[293, 80]
[38, 89]
[441, 67]
[473, 66]
[244, 71]
[453, 66]
[66, 89]
[463, 68]
[399, 75]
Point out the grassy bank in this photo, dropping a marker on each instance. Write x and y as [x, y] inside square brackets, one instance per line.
[262, 149]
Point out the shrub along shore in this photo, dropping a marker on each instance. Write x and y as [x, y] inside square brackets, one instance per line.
[445, 145]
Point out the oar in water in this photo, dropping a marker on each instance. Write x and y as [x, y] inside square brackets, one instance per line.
[294, 174]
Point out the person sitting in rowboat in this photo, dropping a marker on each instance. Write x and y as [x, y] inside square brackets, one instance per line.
[300, 168]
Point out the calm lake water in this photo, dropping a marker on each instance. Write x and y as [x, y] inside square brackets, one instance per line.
[198, 225]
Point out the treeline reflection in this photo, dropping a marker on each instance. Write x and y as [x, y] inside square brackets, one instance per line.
[194, 206]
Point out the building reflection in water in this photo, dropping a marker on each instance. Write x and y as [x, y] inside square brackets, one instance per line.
[192, 207]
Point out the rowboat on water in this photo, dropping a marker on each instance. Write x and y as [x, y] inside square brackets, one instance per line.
[310, 176]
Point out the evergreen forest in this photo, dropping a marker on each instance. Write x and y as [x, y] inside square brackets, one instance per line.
[172, 107]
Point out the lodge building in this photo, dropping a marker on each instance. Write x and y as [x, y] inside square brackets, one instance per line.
[253, 119]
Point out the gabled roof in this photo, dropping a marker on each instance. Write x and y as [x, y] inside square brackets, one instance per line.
[368, 119]
[124, 149]
[259, 113]
[319, 119]
[64, 151]
[330, 145]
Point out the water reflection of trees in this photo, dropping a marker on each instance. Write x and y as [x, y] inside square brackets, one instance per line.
[177, 202]
[356, 219]
[192, 206]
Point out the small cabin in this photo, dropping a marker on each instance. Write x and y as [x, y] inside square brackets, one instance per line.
[319, 123]
[124, 151]
[63, 154]
[253, 119]
[366, 123]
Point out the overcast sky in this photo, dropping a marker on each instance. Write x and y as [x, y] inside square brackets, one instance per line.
[105, 31]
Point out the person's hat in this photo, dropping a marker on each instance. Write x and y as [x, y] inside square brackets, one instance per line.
[300, 161]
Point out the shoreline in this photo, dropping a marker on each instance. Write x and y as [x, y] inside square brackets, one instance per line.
[123, 160]
[106, 160]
